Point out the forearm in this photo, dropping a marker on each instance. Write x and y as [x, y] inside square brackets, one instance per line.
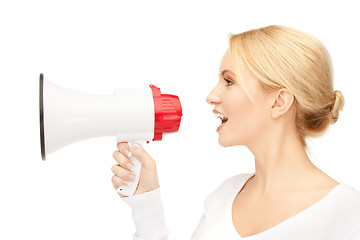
[148, 216]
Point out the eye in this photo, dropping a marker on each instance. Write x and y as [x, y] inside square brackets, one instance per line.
[229, 82]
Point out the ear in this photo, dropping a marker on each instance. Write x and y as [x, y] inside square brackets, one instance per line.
[282, 102]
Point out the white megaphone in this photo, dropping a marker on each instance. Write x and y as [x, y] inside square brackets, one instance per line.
[135, 115]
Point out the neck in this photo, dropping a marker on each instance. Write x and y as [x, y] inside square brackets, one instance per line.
[281, 162]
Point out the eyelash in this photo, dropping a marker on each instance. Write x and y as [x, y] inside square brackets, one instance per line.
[228, 81]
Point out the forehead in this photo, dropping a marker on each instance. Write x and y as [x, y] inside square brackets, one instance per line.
[226, 63]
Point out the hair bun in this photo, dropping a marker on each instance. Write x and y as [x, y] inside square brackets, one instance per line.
[338, 105]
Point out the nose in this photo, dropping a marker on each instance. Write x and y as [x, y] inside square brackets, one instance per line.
[213, 97]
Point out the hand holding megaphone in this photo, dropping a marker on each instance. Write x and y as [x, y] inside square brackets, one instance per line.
[125, 169]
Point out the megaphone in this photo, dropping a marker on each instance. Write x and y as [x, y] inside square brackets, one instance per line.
[135, 115]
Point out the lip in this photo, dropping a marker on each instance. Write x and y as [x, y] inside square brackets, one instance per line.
[219, 127]
[217, 112]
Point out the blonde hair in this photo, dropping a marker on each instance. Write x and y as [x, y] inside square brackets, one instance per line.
[283, 57]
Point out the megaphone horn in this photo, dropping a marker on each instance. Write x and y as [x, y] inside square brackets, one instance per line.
[130, 114]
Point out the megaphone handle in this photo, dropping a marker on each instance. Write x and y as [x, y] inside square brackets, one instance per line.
[129, 190]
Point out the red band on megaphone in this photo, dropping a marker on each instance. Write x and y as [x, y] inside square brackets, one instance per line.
[168, 113]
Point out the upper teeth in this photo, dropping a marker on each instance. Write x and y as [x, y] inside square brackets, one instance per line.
[219, 115]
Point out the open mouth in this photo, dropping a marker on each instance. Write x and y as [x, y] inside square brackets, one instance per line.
[223, 118]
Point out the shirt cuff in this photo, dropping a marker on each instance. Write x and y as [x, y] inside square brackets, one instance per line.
[148, 215]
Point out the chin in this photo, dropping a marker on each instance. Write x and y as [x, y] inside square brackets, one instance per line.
[225, 143]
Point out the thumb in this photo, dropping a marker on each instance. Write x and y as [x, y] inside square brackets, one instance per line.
[140, 153]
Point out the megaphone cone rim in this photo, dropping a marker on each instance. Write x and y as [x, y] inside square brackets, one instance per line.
[41, 106]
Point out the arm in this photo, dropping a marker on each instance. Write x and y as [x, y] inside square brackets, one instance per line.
[148, 216]
[146, 205]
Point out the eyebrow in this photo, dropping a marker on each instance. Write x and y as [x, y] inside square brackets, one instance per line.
[224, 71]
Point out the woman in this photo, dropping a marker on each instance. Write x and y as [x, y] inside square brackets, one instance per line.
[275, 89]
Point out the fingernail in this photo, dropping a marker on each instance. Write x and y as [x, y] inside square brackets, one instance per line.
[126, 183]
[132, 177]
[130, 166]
[133, 147]
[127, 153]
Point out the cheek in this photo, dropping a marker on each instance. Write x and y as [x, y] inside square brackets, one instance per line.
[247, 123]
[240, 111]
[244, 120]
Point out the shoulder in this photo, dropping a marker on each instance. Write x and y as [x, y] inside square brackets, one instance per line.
[232, 183]
[350, 197]
[227, 189]
[351, 207]
[346, 204]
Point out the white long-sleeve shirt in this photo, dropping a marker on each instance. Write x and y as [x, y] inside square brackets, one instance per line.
[335, 217]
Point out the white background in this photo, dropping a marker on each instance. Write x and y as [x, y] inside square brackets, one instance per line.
[97, 46]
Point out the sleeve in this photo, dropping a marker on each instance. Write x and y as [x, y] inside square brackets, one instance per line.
[148, 216]
[355, 235]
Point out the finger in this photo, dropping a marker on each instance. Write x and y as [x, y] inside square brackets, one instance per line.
[124, 148]
[116, 181]
[123, 161]
[140, 153]
[123, 173]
